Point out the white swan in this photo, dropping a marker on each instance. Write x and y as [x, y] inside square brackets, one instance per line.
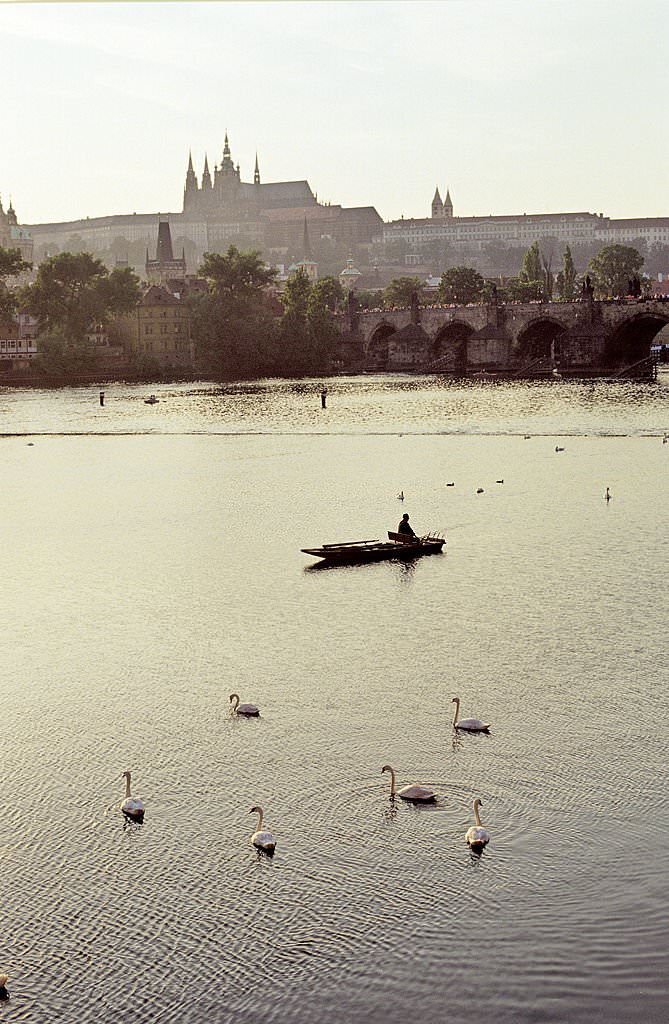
[132, 805]
[472, 724]
[261, 838]
[477, 836]
[250, 710]
[415, 793]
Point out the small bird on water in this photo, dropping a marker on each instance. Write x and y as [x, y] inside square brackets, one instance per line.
[400, 496]
[558, 449]
[479, 490]
[608, 495]
[4, 994]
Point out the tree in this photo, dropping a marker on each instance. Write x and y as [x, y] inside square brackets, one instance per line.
[74, 291]
[566, 278]
[532, 273]
[460, 284]
[235, 274]
[329, 292]
[400, 291]
[232, 325]
[11, 264]
[614, 267]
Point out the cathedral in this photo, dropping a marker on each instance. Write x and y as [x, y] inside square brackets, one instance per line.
[230, 198]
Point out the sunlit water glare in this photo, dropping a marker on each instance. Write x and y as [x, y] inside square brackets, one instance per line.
[152, 566]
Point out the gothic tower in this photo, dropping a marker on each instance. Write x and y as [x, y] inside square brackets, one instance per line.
[256, 173]
[437, 205]
[448, 205]
[191, 189]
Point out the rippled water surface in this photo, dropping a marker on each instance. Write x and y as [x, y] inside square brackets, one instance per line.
[152, 566]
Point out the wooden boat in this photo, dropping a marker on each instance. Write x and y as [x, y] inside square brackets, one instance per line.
[398, 545]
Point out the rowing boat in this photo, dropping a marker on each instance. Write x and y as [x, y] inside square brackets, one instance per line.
[397, 546]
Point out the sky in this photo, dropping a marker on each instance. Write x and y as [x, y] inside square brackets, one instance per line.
[514, 105]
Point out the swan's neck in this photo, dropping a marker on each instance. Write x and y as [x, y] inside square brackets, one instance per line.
[259, 813]
[477, 816]
[127, 785]
[392, 782]
[235, 702]
[457, 709]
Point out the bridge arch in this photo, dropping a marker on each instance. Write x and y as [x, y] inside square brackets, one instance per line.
[630, 342]
[377, 349]
[449, 346]
[541, 342]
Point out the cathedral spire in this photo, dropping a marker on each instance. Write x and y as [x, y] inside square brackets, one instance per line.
[206, 176]
[226, 146]
[448, 205]
[256, 173]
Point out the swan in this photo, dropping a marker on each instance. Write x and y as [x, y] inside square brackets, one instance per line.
[472, 724]
[477, 837]
[415, 793]
[261, 838]
[132, 805]
[250, 710]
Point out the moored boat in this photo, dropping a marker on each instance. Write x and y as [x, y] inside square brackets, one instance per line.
[398, 545]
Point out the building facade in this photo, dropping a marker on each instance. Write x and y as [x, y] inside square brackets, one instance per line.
[160, 330]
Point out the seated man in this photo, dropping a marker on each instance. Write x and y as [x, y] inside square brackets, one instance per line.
[405, 528]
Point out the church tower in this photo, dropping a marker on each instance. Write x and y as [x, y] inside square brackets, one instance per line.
[256, 173]
[191, 189]
[448, 205]
[206, 178]
[437, 205]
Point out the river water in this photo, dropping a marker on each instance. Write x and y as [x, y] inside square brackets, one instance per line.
[152, 566]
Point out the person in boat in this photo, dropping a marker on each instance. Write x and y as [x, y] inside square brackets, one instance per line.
[406, 528]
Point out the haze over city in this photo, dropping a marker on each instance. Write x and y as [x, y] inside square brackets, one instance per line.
[516, 107]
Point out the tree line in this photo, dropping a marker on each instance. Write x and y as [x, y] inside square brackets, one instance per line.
[239, 326]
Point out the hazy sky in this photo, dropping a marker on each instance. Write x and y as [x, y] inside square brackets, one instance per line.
[516, 105]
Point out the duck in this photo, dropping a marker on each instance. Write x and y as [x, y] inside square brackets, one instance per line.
[262, 838]
[4, 994]
[499, 481]
[415, 793]
[479, 490]
[250, 710]
[452, 484]
[527, 437]
[471, 724]
[477, 837]
[558, 449]
[132, 806]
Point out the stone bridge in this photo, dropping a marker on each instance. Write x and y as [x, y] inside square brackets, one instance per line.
[532, 337]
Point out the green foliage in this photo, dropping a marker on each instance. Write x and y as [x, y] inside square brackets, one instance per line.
[460, 284]
[400, 290]
[613, 267]
[232, 326]
[72, 291]
[329, 292]
[566, 278]
[520, 290]
[532, 269]
[62, 355]
[307, 333]
[11, 264]
[235, 274]
[369, 299]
